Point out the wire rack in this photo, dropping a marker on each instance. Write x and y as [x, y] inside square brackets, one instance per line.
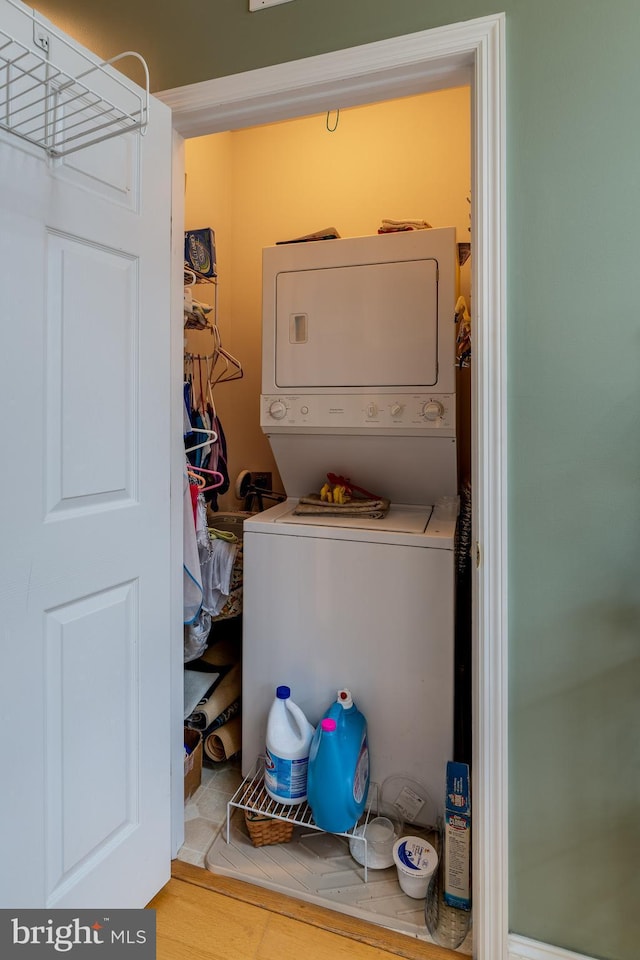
[252, 796]
[46, 106]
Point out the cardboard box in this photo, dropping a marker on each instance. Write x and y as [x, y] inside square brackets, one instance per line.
[457, 837]
[200, 251]
[192, 761]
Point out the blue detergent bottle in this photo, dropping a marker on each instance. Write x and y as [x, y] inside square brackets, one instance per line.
[338, 775]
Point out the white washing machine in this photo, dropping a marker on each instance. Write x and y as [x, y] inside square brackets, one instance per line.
[358, 379]
[363, 604]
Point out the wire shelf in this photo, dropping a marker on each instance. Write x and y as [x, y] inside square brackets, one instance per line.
[48, 107]
[252, 797]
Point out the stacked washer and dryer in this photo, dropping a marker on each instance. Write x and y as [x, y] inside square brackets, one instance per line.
[358, 379]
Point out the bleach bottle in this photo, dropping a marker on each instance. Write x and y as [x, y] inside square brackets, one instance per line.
[338, 780]
[289, 736]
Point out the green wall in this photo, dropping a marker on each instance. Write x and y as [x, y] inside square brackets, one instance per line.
[573, 168]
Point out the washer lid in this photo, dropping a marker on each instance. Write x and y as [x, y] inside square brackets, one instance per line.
[401, 518]
[404, 469]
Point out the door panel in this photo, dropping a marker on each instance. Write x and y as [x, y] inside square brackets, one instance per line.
[80, 395]
[98, 629]
[85, 624]
[109, 169]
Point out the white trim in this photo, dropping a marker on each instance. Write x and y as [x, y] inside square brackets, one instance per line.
[177, 461]
[428, 60]
[520, 948]
[489, 472]
[432, 59]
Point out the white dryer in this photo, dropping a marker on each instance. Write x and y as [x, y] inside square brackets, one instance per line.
[358, 379]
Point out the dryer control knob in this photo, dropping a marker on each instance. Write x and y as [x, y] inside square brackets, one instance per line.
[433, 410]
[277, 410]
[396, 409]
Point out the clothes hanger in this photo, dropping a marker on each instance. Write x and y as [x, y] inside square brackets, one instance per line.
[211, 434]
[197, 479]
[220, 479]
[239, 372]
[227, 358]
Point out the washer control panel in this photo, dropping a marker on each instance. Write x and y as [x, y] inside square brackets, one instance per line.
[419, 412]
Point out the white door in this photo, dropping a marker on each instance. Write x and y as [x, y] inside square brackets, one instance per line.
[84, 507]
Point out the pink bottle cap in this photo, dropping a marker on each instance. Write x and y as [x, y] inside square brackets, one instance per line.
[328, 724]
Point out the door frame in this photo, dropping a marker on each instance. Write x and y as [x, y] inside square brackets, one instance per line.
[471, 52]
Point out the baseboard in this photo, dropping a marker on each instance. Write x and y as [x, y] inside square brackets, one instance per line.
[520, 948]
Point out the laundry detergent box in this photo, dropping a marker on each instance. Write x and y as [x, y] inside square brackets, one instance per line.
[200, 251]
[457, 837]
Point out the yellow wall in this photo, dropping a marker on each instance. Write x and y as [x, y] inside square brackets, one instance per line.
[406, 158]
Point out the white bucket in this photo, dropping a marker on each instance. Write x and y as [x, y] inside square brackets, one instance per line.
[416, 862]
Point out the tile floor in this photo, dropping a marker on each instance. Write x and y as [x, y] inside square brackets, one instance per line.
[205, 813]
[206, 818]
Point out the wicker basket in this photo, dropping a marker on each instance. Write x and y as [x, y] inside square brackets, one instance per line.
[264, 830]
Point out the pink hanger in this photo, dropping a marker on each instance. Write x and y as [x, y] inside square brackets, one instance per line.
[214, 473]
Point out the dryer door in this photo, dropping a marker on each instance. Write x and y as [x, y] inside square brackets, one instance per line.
[358, 325]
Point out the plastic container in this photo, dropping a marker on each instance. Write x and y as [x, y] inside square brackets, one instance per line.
[377, 852]
[416, 862]
[289, 736]
[338, 781]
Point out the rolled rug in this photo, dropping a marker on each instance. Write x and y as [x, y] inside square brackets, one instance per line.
[225, 742]
[226, 715]
[224, 694]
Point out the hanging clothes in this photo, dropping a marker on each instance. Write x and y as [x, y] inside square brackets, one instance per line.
[217, 557]
[218, 461]
[192, 575]
[463, 334]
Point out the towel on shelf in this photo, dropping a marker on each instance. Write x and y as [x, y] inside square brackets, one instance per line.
[314, 506]
[397, 226]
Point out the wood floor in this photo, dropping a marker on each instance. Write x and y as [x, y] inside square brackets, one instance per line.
[201, 916]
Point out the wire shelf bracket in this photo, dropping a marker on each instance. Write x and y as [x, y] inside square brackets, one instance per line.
[49, 107]
[252, 796]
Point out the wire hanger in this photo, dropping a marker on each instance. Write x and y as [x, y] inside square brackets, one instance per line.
[220, 354]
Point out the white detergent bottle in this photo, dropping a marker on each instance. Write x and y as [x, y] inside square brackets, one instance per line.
[289, 736]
